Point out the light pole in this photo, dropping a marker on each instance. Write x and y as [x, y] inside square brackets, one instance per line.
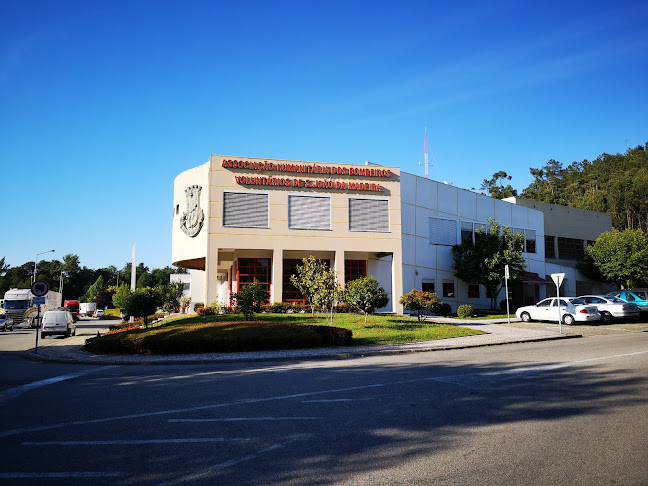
[36, 261]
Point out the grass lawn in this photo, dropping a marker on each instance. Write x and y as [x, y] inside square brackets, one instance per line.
[228, 333]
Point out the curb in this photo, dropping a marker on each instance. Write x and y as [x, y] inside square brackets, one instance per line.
[81, 357]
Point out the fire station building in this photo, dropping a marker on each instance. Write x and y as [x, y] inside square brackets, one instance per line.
[239, 220]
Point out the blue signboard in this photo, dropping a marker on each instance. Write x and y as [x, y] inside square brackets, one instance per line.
[38, 300]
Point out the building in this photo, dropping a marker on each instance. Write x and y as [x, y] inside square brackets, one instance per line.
[238, 220]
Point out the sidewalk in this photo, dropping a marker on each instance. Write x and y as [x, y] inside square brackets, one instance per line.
[497, 332]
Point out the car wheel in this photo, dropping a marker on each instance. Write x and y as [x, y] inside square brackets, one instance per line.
[42, 335]
[74, 332]
[525, 316]
[4, 327]
[568, 319]
[606, 317]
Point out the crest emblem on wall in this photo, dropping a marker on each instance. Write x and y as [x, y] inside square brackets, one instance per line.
[192, 220]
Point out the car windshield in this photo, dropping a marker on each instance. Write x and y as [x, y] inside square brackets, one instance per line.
[577, 301]
[16, 304]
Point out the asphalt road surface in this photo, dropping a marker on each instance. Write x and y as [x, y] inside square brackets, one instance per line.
[571, 412]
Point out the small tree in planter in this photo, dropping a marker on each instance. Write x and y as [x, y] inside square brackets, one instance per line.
[249, 299]
[184, 303]
[419, 302]
[365, 294]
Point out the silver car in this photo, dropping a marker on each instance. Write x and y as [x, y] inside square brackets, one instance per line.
[612, 307]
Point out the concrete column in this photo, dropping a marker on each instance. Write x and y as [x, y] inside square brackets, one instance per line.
[397, 282]
[276, 289]
[338, 266]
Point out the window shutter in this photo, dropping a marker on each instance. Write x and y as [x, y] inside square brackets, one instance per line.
[369, 215]
[443, 231]
[245, 210]
[309, 212]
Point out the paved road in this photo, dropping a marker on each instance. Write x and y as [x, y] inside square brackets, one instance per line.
[559, 412]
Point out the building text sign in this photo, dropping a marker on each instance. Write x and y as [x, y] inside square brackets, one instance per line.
[314, 169]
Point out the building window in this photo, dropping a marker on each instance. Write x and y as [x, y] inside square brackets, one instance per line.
[530, 241]
[245, 210]
[570, 249]
[466, 231]
[369, 215]
[254, 270]
[448, 288]
[443, 231]
[290, 293]
[309, 212]
[354, 269]
[473, 291]
[428, 286]
[550, 247]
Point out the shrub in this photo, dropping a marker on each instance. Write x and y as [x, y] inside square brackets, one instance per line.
[343, 308]
[217, 307]
[204, 311]
[250, 298]
[444, 309]
[420, 302]
[199, 304]
[464, 311]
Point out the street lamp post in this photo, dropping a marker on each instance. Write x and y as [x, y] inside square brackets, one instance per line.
[36, 262]
[63, 274]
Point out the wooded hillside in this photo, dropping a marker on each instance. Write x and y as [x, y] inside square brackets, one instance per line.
[616, 184]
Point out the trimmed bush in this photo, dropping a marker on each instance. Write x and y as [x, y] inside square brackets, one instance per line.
[464, 311]
[199, 304]
[204, 311]
[444, 309]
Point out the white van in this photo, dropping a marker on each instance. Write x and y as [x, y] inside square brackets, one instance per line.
[58, 322]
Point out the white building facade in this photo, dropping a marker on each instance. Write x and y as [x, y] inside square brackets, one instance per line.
[239, 220]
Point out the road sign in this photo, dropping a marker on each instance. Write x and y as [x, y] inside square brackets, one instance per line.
[558, 278]
[39, 288]
[38, 300]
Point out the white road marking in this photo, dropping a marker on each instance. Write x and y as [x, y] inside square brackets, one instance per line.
[19, 390]
[251, 401]
[242, 419]
[218, 467]
[333, 400]
[61, 475]
[130, 442]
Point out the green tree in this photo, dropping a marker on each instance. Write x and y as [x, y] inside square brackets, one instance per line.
[172, 293]
[365, 294]
[419, 301]
[622, 257]
[250, 298]
[308, 278]
[496, 188]
[121, 296]
[328, 292]
[484, 260]
[143, 303]
[94, 289]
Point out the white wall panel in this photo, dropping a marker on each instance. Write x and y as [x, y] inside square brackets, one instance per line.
[408, 215]
[408, 187]
[425, 253]
[447, 199]
[485, 208]
[426, 193]
[520, 217]
[503, 212]
[467, 204]
[444, 258]
[408, 250]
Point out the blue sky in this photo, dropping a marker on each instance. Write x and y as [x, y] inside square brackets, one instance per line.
[103, 103]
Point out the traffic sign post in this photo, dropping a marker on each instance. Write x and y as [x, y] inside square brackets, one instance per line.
[39, 289]
[506, 277]
[558, 280]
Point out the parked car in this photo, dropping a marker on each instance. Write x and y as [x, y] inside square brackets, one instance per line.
[58, 322]
[99, 313]
[6, 322]
[634, 296]
[571, 309]
[612, 307]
